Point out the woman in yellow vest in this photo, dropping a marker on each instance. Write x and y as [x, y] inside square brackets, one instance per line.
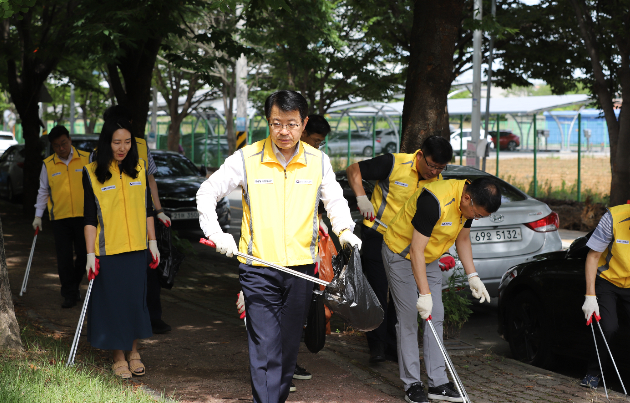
[118, 231]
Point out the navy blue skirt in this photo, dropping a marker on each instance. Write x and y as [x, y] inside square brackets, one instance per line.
[117, 310]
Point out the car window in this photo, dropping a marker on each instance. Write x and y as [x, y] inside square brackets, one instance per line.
[172, 165]
[85, 145]
[6, 137]
[508, 192]
[6, 154]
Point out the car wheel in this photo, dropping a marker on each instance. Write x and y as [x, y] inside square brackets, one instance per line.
[367, 151]
[512, 146]
[528, 331]
[390, 148]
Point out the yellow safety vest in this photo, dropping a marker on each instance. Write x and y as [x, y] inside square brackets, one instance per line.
[280, 223]
[614, 263]
[65, 188]
[121, 210]
[448, 194]
[391, 193]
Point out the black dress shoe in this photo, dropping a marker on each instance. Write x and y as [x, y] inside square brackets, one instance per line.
[377, 354]
[69, 302]
[159, 327]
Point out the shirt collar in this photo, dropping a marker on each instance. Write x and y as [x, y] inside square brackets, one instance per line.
[280, 156]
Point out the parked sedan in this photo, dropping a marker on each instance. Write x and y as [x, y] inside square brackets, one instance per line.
[12, 172]
[178, 180]
[462, 143]
[508, 140]
[360, 144]
[6, 140]
[540, 311]
[522, 228]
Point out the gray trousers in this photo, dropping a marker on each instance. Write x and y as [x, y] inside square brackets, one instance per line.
[404, 293]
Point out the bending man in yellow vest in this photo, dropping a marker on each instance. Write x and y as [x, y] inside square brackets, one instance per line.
[282, 181]
[435, 217]
[398, 176]
[607, 280]
[61, 189]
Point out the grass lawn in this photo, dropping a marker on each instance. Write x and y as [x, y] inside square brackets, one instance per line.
[39, 374]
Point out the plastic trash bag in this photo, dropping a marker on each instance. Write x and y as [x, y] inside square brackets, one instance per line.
[315, 332]
[349, 294]
[326, 252]
[170, 257]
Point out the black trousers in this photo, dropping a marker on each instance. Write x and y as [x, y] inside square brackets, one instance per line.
[69, 239]
[153, 291]
[275, 304]
[383, 338]
[607, 296]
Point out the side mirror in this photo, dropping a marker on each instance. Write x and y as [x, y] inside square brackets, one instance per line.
[203, 171]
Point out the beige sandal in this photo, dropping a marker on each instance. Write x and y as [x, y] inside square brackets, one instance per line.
[121, 369]
[135, 365]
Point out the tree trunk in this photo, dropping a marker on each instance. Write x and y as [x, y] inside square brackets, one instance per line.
[433, 37]
[32, 159]
[9, 328]
[136, 67]
[174, 133]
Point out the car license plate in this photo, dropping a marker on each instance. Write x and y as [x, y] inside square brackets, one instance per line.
[496, 235]
[185, 215]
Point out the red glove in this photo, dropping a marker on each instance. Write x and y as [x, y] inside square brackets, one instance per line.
[446, 263]
[92, 275]
[240, 304]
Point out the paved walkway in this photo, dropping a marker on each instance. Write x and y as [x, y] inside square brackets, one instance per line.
[204, 357]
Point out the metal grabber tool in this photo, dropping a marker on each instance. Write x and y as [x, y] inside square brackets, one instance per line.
[28, 265]
[269, 264]
[77, 334]
[612, 359]
[449, 364]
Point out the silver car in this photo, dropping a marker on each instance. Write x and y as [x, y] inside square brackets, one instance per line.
[522, 228]
[360, 144]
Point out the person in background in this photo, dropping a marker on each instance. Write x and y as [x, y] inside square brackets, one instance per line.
[118, 231]
[607, 271]
[398, 176]
[60, 189]
[153, 283]
[283, 180]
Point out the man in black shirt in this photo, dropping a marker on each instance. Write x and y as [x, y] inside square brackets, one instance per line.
[399, 176]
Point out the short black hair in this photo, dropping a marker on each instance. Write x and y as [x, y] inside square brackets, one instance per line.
[485, 193]
[57, 132]
[116, 112]
[317, 124]
[287, 101]
[438, 148]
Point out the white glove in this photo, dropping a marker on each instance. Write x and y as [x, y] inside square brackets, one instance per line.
[348, 238]
[590, 307]
[164, 219]
[225, 243]
[478, 289]
[91, 265]
[240, 304]
[424, 305]
[365, 207]
[155, 254]
[37, 223]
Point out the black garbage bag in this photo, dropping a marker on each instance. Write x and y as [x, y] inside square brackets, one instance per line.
[170, 257]
[315, 332]
[349, 294]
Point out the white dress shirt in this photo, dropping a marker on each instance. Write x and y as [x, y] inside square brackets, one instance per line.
[232, 175]
[43, 193]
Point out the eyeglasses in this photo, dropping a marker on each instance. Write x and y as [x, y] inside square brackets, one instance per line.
[434, 167]
[477, 216]
[276, 127]
[63, 144]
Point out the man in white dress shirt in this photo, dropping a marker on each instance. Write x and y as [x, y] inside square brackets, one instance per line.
[282, 180]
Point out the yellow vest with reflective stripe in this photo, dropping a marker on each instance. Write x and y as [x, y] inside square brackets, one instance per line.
[391, 193]
[448, 194]
[65, 189]
[280, 223]
[121, 210]
[614, 263]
